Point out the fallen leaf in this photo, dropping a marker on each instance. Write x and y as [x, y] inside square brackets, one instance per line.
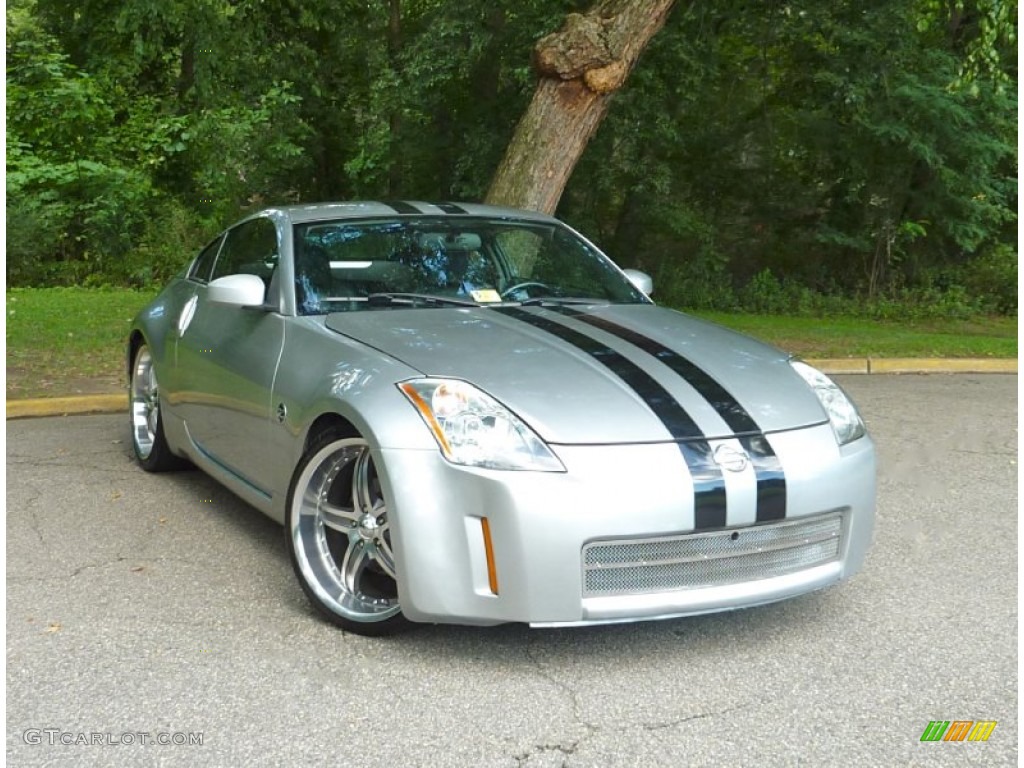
[116, 495]
[54, 627]
[162, 520]
[138, 568]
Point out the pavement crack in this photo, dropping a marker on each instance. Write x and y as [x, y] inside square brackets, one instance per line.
[566, 747]
[33, 520]
[90, 566]
[698, 716]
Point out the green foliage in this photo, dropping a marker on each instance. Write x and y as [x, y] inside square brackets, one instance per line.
[992, 278]
[801, 157]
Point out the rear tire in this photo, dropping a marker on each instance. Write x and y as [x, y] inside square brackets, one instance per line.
[148, 440]
[338, 536]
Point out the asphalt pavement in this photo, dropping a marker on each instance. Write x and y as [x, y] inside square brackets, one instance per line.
[145, 608]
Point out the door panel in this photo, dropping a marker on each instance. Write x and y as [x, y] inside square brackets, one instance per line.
[227, 357]
[232, 356]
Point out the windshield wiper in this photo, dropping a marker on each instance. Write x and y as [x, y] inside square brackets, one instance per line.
[541, 300]
[411, 299]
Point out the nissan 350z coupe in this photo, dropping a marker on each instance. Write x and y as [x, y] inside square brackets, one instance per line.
[469, 414]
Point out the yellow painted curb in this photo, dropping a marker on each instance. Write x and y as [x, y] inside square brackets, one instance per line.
[65, 406]
[932, 365]
[841, 365]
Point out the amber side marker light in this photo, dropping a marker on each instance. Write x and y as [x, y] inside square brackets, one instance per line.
[492, 572]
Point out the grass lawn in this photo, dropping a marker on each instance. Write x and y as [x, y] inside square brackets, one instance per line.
[813, 337]
[70, 341]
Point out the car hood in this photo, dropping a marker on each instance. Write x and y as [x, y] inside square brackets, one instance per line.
[575, 383]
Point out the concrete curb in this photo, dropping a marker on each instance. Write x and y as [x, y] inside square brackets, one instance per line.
[67, 406]
[916, 365]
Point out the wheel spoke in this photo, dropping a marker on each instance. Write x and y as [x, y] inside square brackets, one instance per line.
[361, 483]
[383, 554]
[353, 565]
[338, 518]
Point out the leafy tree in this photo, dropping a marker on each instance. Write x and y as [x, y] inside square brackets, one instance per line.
[798, 157]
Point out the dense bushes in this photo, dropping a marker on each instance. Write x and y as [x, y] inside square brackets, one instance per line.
[769, 295]
[806, 158]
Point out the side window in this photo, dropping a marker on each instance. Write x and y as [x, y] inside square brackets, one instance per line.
[251, 249]
[204, 263]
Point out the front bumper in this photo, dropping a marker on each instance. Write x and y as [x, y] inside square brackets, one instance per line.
[539, 524]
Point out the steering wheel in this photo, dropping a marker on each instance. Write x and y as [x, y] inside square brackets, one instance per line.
[525, 284]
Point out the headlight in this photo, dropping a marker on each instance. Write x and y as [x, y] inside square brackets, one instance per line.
[474, 429]
[842, 414]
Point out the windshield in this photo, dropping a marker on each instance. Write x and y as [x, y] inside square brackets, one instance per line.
[355, 265]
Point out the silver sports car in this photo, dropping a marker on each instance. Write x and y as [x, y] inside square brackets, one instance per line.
[469, 414]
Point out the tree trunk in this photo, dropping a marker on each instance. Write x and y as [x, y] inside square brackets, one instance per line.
[580, 67]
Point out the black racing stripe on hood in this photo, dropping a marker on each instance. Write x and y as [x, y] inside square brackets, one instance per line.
[401, 207]
[709, 486]
[771, 478]
[734, 414]
[451, 208]
[675, 418]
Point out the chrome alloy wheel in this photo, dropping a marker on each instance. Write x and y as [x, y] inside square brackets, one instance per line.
[145, 404]
[340, 533]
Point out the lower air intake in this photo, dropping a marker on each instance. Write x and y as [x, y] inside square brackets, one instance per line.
[713, 559]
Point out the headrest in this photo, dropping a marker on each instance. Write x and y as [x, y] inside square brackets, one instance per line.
[450, 241]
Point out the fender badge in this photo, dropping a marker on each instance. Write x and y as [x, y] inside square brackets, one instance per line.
[730, 459]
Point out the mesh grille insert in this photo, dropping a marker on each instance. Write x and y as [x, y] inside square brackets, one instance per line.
[693, 561]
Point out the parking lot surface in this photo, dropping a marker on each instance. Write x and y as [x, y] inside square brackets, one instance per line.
[159, 608]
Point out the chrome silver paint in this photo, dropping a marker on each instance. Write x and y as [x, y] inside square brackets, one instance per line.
[541, 522]
[241, 389]
[557, 389]
[239, 290]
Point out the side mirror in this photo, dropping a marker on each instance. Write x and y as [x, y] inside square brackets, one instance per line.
[641, 280]
[238, 290]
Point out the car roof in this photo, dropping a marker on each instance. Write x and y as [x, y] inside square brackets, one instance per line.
[411, 208]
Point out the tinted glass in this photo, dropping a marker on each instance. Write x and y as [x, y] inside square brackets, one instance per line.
[340, 264]
[201, 266]
[251, 249]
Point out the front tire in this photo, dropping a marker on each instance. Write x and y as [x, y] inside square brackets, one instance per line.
[148, 440]
[339, 537]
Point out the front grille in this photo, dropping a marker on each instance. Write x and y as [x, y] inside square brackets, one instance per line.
[713, 559]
